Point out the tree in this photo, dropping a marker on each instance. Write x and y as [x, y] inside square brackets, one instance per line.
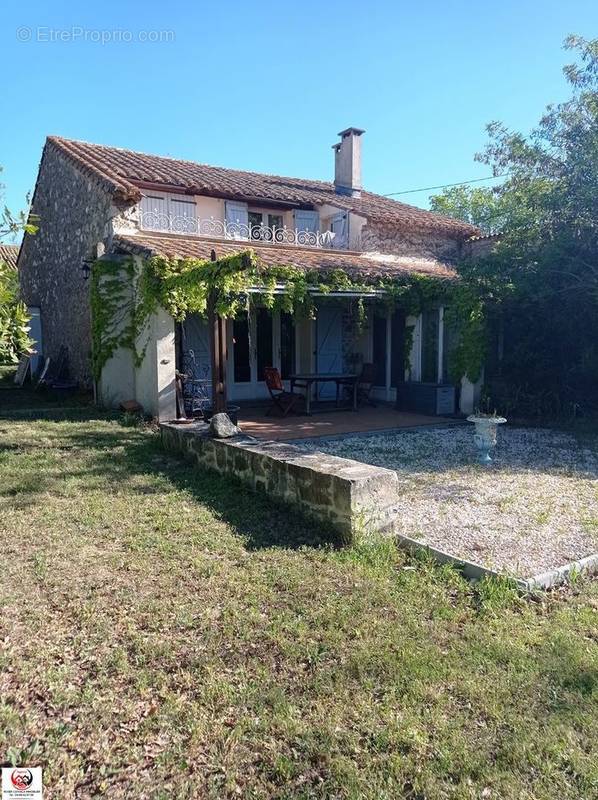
[540, 284]
[478, 206]
[14, 338]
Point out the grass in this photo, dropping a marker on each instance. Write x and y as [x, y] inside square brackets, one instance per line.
[165, 633]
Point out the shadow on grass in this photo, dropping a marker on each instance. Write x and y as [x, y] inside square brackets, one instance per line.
[123, 452]
[16, 402]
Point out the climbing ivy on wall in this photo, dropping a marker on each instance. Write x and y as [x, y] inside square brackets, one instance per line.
[125, 294]
[112, 318]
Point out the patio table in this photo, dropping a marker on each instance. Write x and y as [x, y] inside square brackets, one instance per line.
[307, 380]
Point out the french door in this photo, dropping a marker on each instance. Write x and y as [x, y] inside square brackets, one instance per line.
[388, 352]
[257, 340]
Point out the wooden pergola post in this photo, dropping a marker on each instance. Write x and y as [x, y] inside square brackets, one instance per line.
[217, 339]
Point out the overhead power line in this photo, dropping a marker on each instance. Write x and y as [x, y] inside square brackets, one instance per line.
[445, 185]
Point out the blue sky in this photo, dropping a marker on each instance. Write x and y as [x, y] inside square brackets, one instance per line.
[266, 86]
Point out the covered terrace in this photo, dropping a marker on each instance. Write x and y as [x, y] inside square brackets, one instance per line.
[348, 318]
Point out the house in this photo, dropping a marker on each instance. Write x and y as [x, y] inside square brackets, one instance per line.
[98, 202]
[9, 254]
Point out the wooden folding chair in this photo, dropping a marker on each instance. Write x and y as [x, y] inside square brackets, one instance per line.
[282, 400]
[365, 384]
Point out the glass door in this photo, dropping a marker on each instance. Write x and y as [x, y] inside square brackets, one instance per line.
[287, 349]
[250, 350]
[430, 346]
[263, 345]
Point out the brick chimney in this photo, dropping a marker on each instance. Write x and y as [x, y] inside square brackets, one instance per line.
[347, 162]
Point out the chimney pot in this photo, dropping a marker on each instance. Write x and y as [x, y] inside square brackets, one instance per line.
[347, 162]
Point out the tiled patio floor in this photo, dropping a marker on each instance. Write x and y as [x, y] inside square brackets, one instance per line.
[329, 423]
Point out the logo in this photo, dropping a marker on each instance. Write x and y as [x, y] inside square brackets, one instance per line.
[21, 783]
[21, 778]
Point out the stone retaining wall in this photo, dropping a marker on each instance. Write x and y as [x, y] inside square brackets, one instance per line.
[355, 499]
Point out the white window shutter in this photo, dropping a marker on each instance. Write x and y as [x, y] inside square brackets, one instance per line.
[154, 213]
[237, 220]
[307, 221]
[183, 215]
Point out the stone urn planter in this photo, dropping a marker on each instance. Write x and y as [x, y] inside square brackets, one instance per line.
[485, 434]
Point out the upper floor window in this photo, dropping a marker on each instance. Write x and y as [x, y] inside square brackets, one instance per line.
[164, 213]
[339, 225]
[265, 227]
[179, 214]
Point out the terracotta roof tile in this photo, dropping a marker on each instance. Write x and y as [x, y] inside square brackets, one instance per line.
[9, 254]
[123, 171]
[359, 265]
[84, 156]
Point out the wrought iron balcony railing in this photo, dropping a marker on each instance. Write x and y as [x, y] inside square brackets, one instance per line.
[156, 221]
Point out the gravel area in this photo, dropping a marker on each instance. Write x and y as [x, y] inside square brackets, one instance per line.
[535, 508]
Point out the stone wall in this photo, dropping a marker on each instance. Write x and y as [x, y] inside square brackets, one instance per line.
[75, 219]
[480, 247]
[353, 498]
[377, 237]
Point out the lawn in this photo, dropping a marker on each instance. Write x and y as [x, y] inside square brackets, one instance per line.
[165, 633]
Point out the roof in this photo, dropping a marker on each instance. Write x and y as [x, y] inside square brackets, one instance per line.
[482, 237]
[359, 265]
[124, 172]
[9, 254]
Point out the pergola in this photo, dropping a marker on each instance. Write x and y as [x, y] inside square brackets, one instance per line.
[364, 271]
[217, 332]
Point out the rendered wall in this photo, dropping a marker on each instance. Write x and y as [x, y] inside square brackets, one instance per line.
[470, 395]
[151, 382]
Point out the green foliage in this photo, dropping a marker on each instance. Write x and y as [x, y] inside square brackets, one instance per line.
[467, 318]
[14, 338]
[12, 224]
[480, 206]
[123, 297]
[495, 595]
[538, 289]
[113, 319]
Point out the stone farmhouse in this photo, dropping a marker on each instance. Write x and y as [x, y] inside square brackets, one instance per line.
[99, 202]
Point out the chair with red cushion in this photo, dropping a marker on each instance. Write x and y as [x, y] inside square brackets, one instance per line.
[282, 400]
